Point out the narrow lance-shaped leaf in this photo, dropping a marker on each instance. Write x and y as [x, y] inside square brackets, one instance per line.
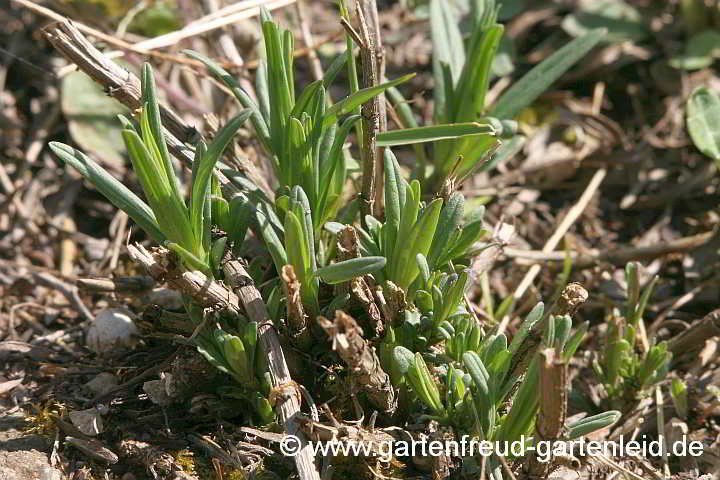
[361, 96]
[392, 202]
[448, 50]
[153, 115]
[272, 241]
[470, 99]
[348, 269]
[537, 80]
[433, 133]
[592, 424]
[402, 248]
[203, 171]
[191, 260]
[532, 318]
[118, 194]
[165, 205]
[448, 222]
[424, 385]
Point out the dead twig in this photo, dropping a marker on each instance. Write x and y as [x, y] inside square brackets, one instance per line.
[370, 110]
[347, 339]
[137, 284]
[552, 378]
[283, 385]
[615, 256]
[296, 317]
[116, 42]
[69, 291]
[204, 291]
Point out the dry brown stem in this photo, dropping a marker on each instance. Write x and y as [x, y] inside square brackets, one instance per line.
[552, 379]
[283, 386]
[348, 341]
[296, 318]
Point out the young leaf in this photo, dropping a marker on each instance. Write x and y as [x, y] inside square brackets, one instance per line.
[448, 51]
[532, 318]
[203, 170]
[592, 424]
[347, 270]
[473, 84]
[449, 221]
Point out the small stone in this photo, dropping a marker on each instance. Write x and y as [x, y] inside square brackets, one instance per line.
[158, 392]
[102, 384]
[87, 421]
[112, 329]
[24, 465]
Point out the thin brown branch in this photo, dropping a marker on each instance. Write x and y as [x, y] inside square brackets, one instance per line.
[115, 42]
[283, 386]
[370, 10]
[137, 284]
[370, 112]
[571, 298]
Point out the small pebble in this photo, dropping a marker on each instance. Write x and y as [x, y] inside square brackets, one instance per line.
[102, 383]
[87, 421]
[113, 329]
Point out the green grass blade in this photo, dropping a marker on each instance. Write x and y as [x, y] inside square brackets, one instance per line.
[537, 80]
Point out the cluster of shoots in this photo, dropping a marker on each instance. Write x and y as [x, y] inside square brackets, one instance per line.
[443, 363]
[630, 365]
